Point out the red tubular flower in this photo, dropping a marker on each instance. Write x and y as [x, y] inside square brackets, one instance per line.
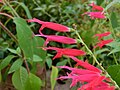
[96, 7]
[93, 15]
[85, 65]
[50, 25]
[102, 43]
[102, 35]
[60, 39]
[65, 51]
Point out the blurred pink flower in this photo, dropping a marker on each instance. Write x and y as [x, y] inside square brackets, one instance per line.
[65, 51]
[96, 7]
[94, 15]
[50, 25]
[103, 42]
[60, 39]
[102, 35]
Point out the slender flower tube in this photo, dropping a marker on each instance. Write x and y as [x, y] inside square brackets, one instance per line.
[94, 15]
[60, 39]
[102, 35]
[102, 43]
[50, 25]
[85, 64]
[65, 51]
[96, 7]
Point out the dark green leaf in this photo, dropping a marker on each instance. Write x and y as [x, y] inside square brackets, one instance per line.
[33, 82]
[6, 61]
[24, 35]
[19, 78]
[114, 72]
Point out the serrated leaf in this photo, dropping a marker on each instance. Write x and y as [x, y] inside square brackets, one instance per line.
[36, 58]
[16, 65]
[33, 82]
[6, 61]
[114, 72]
[19, 78]
[53, 77]
[24, 34]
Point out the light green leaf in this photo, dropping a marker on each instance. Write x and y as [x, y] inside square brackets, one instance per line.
[114, 72]
[101, 51]
[16, 65]
[6, 61]
[12, 50]
[33, 82]
[49, 62]
[36, 58]
[24, 34]
[19, 78]
[53, 77]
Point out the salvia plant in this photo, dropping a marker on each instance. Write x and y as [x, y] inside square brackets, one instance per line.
[28, 44]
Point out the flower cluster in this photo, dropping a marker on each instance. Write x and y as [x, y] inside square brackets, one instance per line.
[98, 13]
[90, 77]
[101, 42]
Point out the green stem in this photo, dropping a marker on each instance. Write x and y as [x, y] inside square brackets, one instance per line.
[95, 58]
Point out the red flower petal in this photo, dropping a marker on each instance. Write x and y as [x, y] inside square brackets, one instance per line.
[102, 35]
[60, 39]
[66, 51]
[85, 65]
[96, 7]
[102, 43]
[50, 25]
[93, 15]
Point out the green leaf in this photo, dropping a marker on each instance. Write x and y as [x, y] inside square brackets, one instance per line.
[16, 65]
[12, 50]
[114, 72]
[53, 77]
[49, 62]
[19, 78]
[26, 10]
[114, 20]
[6, 61]
[36, 58]
[101, 51]
[24, 34]
[99, 2]
[62, 63]
[33, 82]
[37, 44]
